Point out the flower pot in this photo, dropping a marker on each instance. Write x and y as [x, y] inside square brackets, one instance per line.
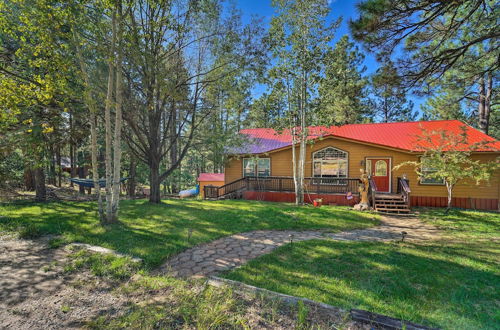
[317, 202]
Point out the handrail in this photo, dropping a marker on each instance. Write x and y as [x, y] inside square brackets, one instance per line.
[232, 187]
[405, 190]
[373, 191]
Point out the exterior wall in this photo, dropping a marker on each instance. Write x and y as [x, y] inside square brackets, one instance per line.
[208, 183]
[281, 166]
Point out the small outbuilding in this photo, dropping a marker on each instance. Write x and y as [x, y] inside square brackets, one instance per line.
[210, 179]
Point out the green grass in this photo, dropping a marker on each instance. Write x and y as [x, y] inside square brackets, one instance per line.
[102, 265]
[155, 232]
[452, 283]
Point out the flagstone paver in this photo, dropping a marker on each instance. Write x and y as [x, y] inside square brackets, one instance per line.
[235, 250]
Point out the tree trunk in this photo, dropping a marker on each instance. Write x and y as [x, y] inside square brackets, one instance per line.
[154, 181]
[29, 179]
[118, 122]
[173, 142]
[81, 175]
[59, 166]
[95, 162]
[131, 184]
[52, 166]
[299, 199]
[449, 189]
[294, 168]
[107, 120]
[483, 108]
[487, 103]
[71, 155]
[41, 193]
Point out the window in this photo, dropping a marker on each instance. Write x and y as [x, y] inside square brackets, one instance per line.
[263, 167]
[330, 163]
[256, 167]
[248, 167]
[426, 170]
[381, 168]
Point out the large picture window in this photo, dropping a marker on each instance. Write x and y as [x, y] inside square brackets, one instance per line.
[330, 163]
[256, 167]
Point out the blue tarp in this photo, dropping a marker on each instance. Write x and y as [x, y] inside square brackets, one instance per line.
[190, 192]
[89, 183]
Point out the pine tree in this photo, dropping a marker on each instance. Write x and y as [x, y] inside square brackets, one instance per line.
[342, 91]
[388, 99]
[445, 104]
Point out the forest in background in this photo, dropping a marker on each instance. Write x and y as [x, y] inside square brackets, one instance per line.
[166, 85]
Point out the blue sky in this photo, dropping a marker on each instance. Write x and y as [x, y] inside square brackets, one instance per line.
[339, 8]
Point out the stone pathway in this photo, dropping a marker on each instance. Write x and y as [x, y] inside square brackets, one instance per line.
[235, 250]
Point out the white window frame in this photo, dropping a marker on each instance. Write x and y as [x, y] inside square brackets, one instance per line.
[255, 167]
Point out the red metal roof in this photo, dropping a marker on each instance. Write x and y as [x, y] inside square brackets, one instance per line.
[404, 135]
[211, 177]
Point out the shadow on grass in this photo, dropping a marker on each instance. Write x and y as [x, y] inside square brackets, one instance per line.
[448, 287]
[155, 232]
[468, 222]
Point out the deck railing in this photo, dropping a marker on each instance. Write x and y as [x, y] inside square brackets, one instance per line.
[404, 189]
[285, 184]
[372, 191]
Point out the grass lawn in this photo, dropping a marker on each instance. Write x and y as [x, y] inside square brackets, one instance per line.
[155, 232]
[453, 283]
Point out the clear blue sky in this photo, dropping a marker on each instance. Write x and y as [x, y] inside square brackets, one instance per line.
[339, 8]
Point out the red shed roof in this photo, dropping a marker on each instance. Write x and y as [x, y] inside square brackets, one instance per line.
[403, 136]
[211, 177]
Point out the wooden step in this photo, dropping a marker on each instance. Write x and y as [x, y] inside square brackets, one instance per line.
[391, 207]
[388, 196]
[385, 209]
[389, 202]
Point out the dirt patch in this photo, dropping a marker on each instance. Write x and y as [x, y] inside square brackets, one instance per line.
[38, 294]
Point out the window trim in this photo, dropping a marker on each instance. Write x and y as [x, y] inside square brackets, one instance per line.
[386, 170]
[332, 178]
[255, 170]
[420, 180]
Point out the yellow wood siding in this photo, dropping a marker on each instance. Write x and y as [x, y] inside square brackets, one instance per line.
[208, 183]
[281, 166]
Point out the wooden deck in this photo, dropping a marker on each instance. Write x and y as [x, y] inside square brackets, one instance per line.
[382, 202]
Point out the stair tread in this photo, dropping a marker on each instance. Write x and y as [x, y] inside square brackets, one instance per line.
[395, 210]
[390, 202]
[392, 206]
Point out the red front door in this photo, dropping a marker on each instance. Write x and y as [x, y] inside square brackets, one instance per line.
[379, 169]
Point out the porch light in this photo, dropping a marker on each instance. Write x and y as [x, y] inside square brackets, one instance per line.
[403, 235]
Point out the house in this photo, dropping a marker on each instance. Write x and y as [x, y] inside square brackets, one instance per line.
[262, 169]
[210, 179]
